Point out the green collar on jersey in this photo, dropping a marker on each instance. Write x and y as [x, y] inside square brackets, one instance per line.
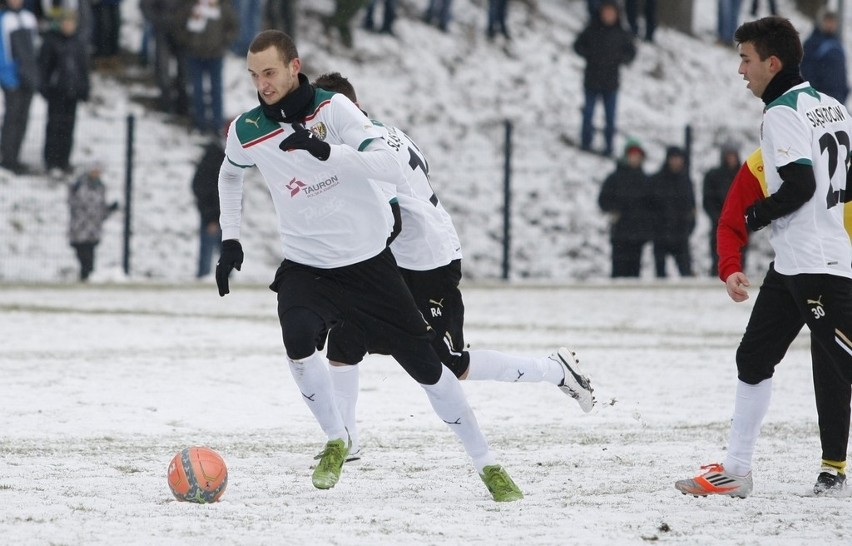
[254, 125]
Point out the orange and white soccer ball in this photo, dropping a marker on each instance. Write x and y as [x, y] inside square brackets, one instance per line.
[197, 474]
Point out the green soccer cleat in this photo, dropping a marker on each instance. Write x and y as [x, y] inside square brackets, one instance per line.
[501, 486]
[330, 463]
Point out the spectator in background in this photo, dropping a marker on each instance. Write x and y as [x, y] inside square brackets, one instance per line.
[755, 4]
[64, 63]
[824, 62]
[341, 19]
[605, 45]
[88, 210]
[248, 14]
[439, 11]
[281, 15]
[626, 196]
[497, 19]
[169, 55]
[388, 16]
[18, 77]
[717, 181]
[673, 202]
[208, 28]
[106, 16]
[631, 10]
[47, 12]
[206, 190]
[728, 18]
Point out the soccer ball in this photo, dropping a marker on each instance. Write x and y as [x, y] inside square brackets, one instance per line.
[197, 474]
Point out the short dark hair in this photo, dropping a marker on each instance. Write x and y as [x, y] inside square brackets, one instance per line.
[279, 40]
[772, 36]
[334, 81]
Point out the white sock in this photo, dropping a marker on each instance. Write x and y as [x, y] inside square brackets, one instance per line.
[449, 402]
[750, 408]
[312, 378]
[496, 366]
[344, 379]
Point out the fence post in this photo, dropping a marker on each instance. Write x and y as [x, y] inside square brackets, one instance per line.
[128, 191]
[507, 198]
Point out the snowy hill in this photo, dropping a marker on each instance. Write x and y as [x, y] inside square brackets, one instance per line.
[452, 93]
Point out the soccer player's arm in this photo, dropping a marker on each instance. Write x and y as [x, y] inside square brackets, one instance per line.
[231, 175]
[747, 187]
[791, 145]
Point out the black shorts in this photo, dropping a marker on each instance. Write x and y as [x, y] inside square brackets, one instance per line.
[370, 299]
[436, 294]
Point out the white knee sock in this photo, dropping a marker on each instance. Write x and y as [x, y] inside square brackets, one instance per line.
[312, 378]
[449, 402]
[496, 366]
[750, 408]
[344, 379]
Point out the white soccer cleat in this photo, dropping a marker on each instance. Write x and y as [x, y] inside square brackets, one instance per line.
[575, 383]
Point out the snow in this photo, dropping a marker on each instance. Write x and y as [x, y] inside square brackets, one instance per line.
[103, 383]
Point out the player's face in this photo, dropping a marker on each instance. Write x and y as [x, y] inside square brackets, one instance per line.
[272, 77]
[757, 73]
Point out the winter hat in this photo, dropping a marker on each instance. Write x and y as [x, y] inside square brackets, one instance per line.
[673, 151]
[633, 145]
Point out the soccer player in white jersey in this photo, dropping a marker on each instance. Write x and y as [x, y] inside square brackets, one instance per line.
[428, 253]
[321, 159]
[805, 138]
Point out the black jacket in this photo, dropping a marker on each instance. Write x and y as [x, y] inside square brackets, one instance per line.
[674, 205]
[64, 65]
[605, 50]
[626, 193]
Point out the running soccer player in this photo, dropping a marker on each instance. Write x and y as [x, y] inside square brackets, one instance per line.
[805, 138]
[319, 156]
[428, 253]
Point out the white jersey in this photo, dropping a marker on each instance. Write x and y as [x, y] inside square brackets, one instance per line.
[428, 239]
[807, 127]
[330, 213]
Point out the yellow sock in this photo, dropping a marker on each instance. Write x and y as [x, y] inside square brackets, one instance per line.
[840, 466]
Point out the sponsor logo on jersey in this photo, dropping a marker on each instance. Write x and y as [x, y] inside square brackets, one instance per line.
[320, 131]
[254, 121]
[823, 115]
[295, 186]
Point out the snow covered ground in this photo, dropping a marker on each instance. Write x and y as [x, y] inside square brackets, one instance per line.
[101, 385]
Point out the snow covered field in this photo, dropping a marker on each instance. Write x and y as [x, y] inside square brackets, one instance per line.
[101, 385]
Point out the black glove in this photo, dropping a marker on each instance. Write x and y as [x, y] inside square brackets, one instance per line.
[230, 258]
[306, 140]
[753, 219]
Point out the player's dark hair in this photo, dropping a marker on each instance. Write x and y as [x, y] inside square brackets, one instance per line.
[334, 81]
[772, 36]
[279, 40]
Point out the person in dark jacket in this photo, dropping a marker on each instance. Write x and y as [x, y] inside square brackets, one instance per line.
[207, 30]
[717, 181]
[18, 78]
[824, 61]
[64, 63]
[674, 205]
[206, 191]
[606, 45]
[625, 195]
[169, 55]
